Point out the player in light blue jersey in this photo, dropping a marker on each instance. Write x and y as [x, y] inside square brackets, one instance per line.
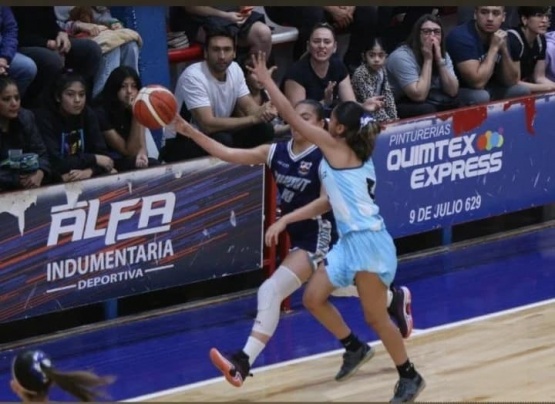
[365, 253]
[294, 164]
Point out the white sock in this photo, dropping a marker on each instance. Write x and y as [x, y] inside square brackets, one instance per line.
[389, 297]
[253, 348]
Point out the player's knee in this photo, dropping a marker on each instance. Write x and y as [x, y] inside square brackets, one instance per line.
[267, 295]
[376, 319]
[312, 300]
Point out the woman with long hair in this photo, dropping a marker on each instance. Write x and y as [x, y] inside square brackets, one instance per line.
[70, 130]
[124, 135]
[19, 135]
[421, 72]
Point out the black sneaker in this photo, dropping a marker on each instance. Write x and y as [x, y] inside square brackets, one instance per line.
[354, 360]
[408, 389]
[401, 310]
[235, 368]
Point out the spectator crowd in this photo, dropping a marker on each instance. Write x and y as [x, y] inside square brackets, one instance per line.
[69, 76]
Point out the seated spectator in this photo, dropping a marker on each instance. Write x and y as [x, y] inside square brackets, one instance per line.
[261, 96]
[210, 91]
[550, 55]
[248, 26]
[71, 133]
[41, 39]
[370, 80]
[97, 23]
[360, 22]
[124, 135]
[421, 72]
[19, 133]
[320, 74]
[466, 14]
[483, 63]
[528, 46]
[12, 63]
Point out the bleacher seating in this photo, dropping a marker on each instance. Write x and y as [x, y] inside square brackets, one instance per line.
[282, 36]
[190, 54]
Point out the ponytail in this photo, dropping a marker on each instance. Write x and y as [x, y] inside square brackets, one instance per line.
[34, 375]
[363, 141]
[83, 385]
[361, 129]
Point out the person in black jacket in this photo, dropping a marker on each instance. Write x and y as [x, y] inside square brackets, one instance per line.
[41, 39]
[124, 135]
[71, 132]
[19, 135]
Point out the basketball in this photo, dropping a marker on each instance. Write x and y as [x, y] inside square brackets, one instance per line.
[155, 106]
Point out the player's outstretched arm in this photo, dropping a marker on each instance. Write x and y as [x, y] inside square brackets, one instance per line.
[257, 155]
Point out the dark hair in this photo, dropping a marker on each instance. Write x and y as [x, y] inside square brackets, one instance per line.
[215, 32]
[320, 25]
[528, 12]
[360, 136]
[415, 44]
[479, 7]
[53, 97]
[324, 25]
[374, 41]
[316, 106]
[5, 81]
[118, 114]
[34, 371]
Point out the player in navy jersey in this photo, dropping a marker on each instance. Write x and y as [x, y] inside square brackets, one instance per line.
[365, 252]
[33, 374]
[294, 165]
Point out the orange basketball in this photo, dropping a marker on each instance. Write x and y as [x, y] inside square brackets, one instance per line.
[155, 106]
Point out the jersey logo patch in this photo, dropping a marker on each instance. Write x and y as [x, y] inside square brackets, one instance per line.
[304, 167]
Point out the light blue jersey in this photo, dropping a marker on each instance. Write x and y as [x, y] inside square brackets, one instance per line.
[364, 243]
[351, 195]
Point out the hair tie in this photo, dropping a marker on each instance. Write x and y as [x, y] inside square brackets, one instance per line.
[366, 120]
[40, 360]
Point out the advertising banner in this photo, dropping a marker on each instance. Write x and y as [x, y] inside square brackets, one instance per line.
[79, 243]
[466, 165]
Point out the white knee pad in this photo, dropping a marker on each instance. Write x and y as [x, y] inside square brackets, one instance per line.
[271, 293]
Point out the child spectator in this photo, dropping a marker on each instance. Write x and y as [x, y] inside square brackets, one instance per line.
[370, 80]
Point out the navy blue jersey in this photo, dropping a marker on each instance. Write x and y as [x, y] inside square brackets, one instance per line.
[299, 184]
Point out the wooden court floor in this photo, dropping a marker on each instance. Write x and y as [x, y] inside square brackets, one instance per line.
[510, 357]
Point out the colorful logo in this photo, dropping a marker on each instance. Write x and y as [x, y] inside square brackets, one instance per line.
[490, 140]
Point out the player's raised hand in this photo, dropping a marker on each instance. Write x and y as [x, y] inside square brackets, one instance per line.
[260, 69]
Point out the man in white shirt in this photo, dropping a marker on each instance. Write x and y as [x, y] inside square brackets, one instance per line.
[208, 94]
